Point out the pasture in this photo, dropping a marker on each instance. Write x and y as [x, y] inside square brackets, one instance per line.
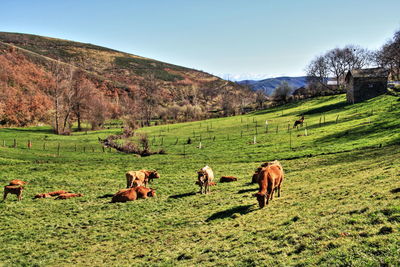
[340, 202]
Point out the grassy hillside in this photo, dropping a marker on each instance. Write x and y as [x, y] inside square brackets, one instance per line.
[340, 203]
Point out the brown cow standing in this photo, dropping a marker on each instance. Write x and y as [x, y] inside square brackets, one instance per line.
[227, 179]
[299, 122]
[125, 195]
[269, 179]
[13, 189]
[150, 175]
[139, 178]
[17, 182]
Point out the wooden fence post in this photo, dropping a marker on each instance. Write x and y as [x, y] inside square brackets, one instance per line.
[15, 143]
[58, 149]
[44, 146]
[337, 118]
[29, 144]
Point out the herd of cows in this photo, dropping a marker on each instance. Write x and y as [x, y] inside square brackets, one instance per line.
[269, 177]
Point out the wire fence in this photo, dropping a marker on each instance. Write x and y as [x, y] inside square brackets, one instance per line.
[252, 131]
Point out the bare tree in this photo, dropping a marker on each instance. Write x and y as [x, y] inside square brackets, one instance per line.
[318, 70]
[150, 98]
[389, 55]
[61, 95]
[260, 99]
[336, 62]
[282, 92]
[82, 89]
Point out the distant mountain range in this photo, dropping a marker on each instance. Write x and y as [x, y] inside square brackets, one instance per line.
[268, 85]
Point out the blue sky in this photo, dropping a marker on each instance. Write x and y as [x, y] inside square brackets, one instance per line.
[230, 38]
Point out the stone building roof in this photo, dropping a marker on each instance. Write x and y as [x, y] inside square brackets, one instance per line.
[368, 73]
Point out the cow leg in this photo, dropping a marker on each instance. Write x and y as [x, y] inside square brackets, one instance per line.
[279, 191]
[20, 196]
[207, 188]
[272, 194]
[5, 195]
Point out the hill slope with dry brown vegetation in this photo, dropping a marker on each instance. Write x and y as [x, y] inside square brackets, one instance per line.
[123, 80]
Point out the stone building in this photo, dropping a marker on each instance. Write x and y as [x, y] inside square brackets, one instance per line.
[363, 84]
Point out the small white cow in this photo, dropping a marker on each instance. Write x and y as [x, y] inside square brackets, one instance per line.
[205, 178]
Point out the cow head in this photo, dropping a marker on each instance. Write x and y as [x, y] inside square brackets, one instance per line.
[154, 174]
[151, 193]
[201, 176]
[261, 198]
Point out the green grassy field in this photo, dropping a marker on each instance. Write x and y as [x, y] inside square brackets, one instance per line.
[340, 201]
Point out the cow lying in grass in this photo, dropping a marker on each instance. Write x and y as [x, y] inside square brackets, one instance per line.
[64, 195]
[144, 192]
[227, 179]
[57, 193]
[51, 194]
[140, 178]
[68, 195]
[124, 195]
[205, 177]
[13, 189]
[44, 195]
[133, 193]
[269, 180]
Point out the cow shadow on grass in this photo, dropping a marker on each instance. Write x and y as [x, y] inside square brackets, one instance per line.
[247, 190]
[395, 190]
[182, 195]
[230, 212]
[106, 196]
